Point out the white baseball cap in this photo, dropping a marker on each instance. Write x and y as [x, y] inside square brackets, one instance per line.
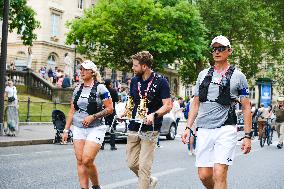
[280, 99]
[89, 65]
[221, 40]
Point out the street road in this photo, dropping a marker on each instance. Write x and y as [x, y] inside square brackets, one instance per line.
[54, 166]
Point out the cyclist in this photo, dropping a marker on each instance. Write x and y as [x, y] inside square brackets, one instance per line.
[262, 114]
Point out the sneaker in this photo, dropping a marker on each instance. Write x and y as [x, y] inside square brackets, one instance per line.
[96, 187]
[153, 182]
[113, 148]
[279, 146]
[190, 153]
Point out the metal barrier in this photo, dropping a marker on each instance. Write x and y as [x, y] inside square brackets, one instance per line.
[39, 111]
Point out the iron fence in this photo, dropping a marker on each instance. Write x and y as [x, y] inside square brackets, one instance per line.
[39, 111]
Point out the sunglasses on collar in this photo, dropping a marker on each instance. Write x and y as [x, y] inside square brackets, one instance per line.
[219, 49]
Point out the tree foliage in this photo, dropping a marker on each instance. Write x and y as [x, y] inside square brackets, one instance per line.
[115, 29]
[22, 19]
[253, 26]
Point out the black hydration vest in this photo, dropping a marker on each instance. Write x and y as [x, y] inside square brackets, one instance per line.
[224, 97]
[154, 101]
[93, 107]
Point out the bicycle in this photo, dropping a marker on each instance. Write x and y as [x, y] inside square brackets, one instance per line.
[267, 133]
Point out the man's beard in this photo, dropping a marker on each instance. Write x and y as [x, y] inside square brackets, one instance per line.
[139, 73]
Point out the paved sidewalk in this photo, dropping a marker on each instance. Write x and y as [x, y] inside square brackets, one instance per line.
[30, 135]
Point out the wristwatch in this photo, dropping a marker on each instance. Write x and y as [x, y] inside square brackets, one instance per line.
[187, 127]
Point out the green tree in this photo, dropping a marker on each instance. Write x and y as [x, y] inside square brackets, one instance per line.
[22, 19]
[252, 27]
[115, 29]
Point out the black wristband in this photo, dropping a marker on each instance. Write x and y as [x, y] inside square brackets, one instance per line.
[187, 128]
[156, 115]
[248, 134]
[248, 137]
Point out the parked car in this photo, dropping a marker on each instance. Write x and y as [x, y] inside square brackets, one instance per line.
[168, 129]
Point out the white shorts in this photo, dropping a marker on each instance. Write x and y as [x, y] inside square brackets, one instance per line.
[216, 146]
[95, 134]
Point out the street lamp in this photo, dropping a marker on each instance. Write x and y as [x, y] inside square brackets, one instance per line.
[74, 71]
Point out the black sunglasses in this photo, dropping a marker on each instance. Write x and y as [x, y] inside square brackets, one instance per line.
[220, 49]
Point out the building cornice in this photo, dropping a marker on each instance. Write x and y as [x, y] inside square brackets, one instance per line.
[44, 43]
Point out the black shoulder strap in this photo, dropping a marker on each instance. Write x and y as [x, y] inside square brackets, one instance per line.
[203, 88]
[230, 72]
[93, 92]
[210, 71]
[77, 97]
[153, 88]
[93, 106]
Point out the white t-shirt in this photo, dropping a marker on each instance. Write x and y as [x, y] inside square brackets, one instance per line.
[11, 91]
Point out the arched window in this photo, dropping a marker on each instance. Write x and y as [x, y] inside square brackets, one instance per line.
[51, 61]
[20, 60]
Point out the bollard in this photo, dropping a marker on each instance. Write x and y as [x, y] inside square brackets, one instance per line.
[28, 113]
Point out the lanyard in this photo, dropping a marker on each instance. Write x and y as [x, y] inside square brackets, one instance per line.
[148, 87]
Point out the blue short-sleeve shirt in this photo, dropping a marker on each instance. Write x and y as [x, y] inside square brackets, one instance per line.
[162, 92]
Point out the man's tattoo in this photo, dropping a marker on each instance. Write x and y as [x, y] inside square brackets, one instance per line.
[101, 114]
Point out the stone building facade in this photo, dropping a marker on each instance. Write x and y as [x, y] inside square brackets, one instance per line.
[49, 50]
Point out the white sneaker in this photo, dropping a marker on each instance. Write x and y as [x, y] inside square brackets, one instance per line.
[190, 153]
[153, 182]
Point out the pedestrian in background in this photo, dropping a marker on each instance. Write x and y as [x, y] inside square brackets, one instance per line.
[192, 139]
[66, 82]
[60, 81]
[213, 112]
[42, 72]
[279, 113]
[86, 114]
[50, 75]
[177, 110]
[12, 109]
[109, 118]
[254, 111]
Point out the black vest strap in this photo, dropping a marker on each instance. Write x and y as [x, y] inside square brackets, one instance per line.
[93, 106]
[78, 94]
[153, 100]
[203, 88]
[224, 97]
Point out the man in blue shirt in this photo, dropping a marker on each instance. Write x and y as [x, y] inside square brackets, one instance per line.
[155, 89]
